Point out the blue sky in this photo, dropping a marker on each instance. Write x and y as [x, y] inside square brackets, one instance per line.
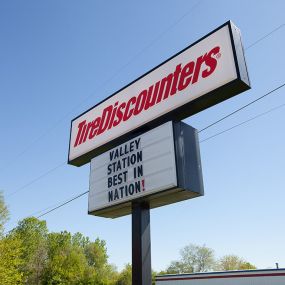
[58, 58]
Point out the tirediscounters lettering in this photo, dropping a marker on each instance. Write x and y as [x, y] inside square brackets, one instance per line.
[171, 85]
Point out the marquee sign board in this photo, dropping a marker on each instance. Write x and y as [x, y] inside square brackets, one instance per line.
[207, 72]
[161, 166]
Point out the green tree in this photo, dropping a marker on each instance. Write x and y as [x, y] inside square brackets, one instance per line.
[97, 259]
[10, 252]
[78, 239]
[178, 267]
[153, 275]
[96, 253]
[33, 235]
[66, 262]
[10, 261]
[74, 259]
[233, 262]
[125, 276]
[4, 214]
[32, 256]
[194, 258]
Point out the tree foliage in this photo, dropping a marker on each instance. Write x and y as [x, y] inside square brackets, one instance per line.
[233, 262]
[4, 214]
[33, 234]
[10, 261]
[125, 277]
[31, 255]
[10, 252]
[194, 258]
[66, 262]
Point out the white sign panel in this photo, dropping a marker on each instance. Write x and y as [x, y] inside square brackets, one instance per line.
[142, 166]
[212, 63]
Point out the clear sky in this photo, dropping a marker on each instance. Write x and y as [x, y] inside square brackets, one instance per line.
[58, 58]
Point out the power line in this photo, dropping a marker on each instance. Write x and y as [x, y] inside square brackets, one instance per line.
[265, 36]
[243, 107]
[113, 76]
[242, 123]
[43, 210]
[63, 204]
[194, 6]
[36, 179]
[53, 207]
[212, 124]
[233, 127]
[201, 141]
[41, 136]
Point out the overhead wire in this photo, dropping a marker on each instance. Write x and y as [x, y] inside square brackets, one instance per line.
[201, 141]
[243, 107]
[205, 128]
[242, 123]
[63, 204]
[212, 124]
[50, 209]
[54, 208]
[36, 179]
[265, 36]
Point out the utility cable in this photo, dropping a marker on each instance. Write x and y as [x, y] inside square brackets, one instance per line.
[242, 123]
[205, 128]
[223, 118]
[216, 122]
[63, 204]
[55, 208]
[201, 141]
[36, 179]
[265, 36]
[233, 127]
[243, 107]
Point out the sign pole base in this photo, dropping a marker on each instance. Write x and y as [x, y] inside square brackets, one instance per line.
[141, 249]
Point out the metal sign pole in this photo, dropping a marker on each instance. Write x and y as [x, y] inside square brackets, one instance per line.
[141, 249]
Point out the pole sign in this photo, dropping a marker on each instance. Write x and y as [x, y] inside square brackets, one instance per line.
[161, 166]
[207, 72]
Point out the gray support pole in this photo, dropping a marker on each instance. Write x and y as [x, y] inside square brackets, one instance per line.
[141, 250]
